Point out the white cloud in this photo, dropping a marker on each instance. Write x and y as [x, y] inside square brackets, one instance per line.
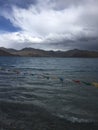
[52, 21]
[44, 22]
[18, 40]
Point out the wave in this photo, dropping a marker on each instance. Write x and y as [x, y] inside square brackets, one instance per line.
[26, 116]
[77, 120]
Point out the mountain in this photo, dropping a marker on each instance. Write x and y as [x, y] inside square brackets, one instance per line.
[10, 50]
[81, 53]
[31, 52]
[5, 53]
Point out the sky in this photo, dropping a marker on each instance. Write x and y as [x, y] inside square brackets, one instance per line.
[49, 24]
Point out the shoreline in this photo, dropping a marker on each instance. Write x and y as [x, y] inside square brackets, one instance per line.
[20, 116]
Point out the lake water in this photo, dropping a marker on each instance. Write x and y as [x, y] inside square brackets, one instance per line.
[41, 93]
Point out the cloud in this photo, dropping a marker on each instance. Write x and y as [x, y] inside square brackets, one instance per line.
[18, 40]
[56, 24]
[44, 22]
[19, 3]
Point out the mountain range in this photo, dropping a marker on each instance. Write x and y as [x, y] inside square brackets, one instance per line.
[31, 52]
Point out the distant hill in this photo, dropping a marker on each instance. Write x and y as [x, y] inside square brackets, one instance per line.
[10, 50]
[31, 52]
[81, 53]
[5, 53]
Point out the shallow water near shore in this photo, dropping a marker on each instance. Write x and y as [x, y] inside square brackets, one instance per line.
[39, 93]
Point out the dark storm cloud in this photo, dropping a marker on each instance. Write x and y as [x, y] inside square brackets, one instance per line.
[85, 43]
[56, 4]
[20, 3]
[62, 4]
[90, 43]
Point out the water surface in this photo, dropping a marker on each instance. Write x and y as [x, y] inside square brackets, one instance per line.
[37, 81]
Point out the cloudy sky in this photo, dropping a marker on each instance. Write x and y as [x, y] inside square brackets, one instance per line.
[49, 24]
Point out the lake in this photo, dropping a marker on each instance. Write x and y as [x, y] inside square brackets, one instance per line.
[48, 93]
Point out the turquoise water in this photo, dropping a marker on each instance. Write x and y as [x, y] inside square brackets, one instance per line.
[37, 81]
